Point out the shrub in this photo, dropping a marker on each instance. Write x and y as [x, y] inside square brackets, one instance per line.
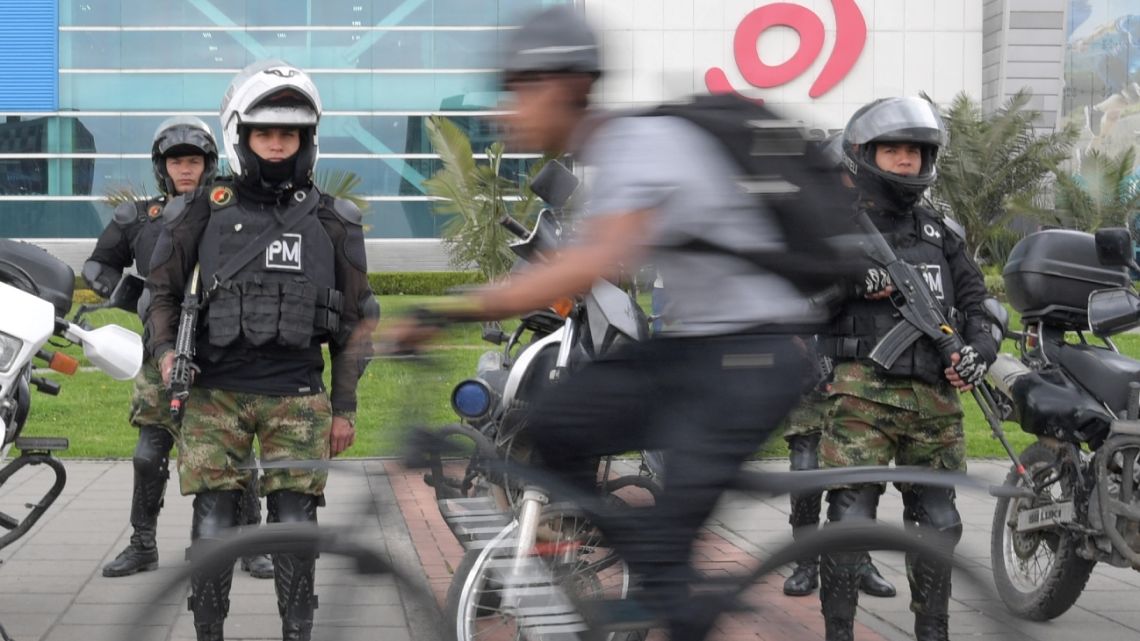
[421, 283]
[383, 284]
[85, 297]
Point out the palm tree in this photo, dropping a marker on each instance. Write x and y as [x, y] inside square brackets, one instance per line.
[476, 195]
[340, 183]
[1103, 193]
[991, 161]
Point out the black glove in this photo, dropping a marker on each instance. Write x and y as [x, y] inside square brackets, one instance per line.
[875, 280]
[971, 367]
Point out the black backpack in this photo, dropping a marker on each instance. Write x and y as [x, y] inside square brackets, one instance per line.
[794, 183]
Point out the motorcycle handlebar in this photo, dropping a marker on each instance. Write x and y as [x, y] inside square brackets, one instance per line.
[514, 226]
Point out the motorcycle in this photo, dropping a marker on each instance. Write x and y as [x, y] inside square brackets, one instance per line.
[546, 346]
[1081, 399]
[37, 290]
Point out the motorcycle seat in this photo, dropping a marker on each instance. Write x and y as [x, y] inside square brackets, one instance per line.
[1103, 372]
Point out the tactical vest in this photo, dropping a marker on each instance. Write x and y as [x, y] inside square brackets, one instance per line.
[143, 232]
[918, 240]
[286, 294]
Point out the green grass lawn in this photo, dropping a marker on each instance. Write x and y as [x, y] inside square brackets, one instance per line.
[91, 409]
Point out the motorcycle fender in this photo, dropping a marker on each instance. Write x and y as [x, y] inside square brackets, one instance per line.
[523, 363]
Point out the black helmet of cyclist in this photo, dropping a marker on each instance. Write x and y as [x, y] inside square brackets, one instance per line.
[893, 120]
[554, 41]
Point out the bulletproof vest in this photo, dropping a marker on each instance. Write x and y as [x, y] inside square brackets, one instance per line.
[286, 294]
[918, 240]
[144, 231]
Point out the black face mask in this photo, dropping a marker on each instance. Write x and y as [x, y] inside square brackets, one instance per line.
[276, 173]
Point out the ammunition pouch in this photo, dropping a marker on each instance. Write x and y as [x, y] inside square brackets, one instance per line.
[223, 315]
[288, 314]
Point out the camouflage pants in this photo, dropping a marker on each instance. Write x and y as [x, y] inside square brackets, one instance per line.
[874, 420]
[809, 417]
[150, 402]
[217, 436]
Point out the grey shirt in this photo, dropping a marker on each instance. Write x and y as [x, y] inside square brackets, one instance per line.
[674, 168]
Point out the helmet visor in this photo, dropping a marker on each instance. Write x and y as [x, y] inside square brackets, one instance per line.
[184, 136]
[902, 120]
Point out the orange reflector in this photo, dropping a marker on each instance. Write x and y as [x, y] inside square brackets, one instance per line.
[63, 363]
[563, 307]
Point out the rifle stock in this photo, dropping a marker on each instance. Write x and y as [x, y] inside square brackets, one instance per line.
[182, 374]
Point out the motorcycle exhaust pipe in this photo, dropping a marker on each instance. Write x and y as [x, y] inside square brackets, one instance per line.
[1004, 373]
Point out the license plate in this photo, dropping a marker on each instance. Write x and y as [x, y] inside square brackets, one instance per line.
[1045, 516]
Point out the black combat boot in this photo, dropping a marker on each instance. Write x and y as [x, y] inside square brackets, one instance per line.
[214, 514]
[874, 584]
[930, 596]
[294, 573]
[804, 579]
[804, 517]
[840, 574]
[259, 566]
[151, 461]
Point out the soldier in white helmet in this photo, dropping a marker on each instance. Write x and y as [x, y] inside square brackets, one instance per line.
[282, 271]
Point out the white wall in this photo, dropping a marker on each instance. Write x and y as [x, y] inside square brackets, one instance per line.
[660, 49]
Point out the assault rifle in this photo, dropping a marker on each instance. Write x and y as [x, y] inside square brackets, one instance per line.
[182, 374]
[921, 316]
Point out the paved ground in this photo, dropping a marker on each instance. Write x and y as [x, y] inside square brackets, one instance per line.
[51, 587]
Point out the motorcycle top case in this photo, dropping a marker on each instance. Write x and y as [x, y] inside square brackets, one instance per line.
[32, 269]
[1050, 274]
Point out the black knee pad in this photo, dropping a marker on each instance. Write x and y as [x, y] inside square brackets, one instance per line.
[849, 504]
[803, 452]
[285, 506]
[152, 453]
[933, 507]
[214, 514]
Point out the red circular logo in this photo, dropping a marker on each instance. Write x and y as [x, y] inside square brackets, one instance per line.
[221, 195]
[851, 35]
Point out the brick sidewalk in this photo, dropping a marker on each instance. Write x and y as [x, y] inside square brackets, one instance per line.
[775, 617]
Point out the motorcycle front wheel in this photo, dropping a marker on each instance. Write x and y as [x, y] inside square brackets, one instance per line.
[1038, 574]
[570, 549]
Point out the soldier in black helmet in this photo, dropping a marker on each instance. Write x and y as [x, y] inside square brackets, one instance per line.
[184, 156]
[910, 413]
[282, 271]
[802, 431]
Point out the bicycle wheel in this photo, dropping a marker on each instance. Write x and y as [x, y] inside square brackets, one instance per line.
[572, 562]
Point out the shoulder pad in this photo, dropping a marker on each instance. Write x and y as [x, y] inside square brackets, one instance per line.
[954, 227]
[127, 213]
[347, 211]
[176, 207]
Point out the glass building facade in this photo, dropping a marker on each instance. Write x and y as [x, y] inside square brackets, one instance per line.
[382, 67]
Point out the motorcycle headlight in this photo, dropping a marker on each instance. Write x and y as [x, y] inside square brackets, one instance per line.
[472, 399]
[9, 348]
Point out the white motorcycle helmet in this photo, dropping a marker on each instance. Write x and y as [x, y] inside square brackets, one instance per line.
[270, 93]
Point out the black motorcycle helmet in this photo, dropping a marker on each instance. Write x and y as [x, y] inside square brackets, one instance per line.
[893, 120]
[182, 136]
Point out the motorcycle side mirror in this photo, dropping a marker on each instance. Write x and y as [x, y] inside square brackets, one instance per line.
[115, 350]
[999, 315]
[127, 293]
[1112, 311]
[554, 183]
[1114, 247]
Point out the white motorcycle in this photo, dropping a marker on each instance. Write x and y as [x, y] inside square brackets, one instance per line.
[35, 295]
